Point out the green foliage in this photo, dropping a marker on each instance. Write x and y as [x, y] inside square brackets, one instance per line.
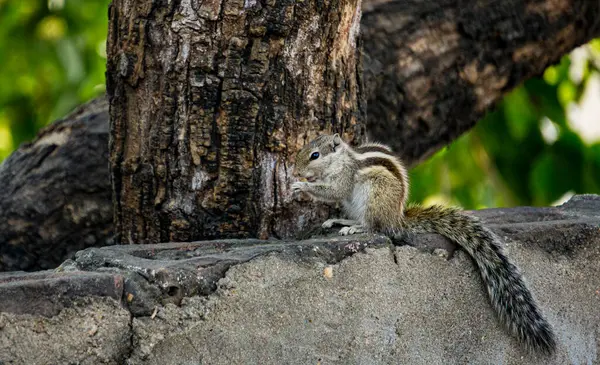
[52, 59]
[525, 152]
[52, 55]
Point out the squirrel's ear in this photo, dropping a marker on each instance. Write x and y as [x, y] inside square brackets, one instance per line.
[336, 140]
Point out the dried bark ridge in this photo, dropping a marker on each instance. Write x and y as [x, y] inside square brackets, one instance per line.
[433, 69]
[209, 99]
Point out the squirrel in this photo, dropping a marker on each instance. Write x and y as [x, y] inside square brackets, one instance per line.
[371, 183]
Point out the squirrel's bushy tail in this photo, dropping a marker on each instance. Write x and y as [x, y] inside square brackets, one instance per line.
[508, 293]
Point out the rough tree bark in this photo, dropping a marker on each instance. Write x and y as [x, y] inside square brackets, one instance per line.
[429, 73]
[209, 102]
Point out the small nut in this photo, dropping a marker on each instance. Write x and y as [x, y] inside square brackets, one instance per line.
[93, 330]
[328, 272]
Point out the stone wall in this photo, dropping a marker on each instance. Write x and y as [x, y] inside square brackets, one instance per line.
[332, 300]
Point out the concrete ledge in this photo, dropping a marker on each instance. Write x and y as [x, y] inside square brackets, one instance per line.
[333, 300]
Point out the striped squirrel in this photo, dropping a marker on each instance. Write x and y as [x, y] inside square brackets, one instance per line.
[372, 186]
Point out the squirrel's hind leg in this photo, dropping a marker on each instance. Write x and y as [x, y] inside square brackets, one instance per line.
[355, 229]
[340, 222]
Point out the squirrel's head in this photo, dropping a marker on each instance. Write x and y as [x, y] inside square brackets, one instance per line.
[314, 158]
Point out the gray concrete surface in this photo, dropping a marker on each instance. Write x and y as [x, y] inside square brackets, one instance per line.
[93, 330]
[331, 300]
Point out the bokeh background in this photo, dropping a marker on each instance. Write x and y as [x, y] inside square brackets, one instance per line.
[539, 146]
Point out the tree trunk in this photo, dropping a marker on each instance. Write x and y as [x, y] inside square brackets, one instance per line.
[209, 102]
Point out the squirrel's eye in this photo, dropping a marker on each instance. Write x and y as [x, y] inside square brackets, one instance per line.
[314, 156]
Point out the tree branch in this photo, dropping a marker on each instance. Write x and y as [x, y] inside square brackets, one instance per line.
[55, 195]
[433, 69]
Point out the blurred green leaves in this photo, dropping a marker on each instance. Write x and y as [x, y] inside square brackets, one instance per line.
[51, 60]
[527, 152]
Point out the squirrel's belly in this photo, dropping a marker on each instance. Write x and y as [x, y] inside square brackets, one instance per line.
[355, 206]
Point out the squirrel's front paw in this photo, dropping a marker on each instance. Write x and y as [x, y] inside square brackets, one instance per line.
[299, 186]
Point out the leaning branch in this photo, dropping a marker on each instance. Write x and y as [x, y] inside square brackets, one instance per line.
[434, 68]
